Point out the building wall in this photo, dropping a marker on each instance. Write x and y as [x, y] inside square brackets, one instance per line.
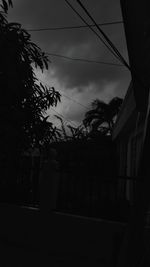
[125, 114]
[129, 149]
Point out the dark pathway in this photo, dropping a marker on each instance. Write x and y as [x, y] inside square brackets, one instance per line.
[27, 239]
[12, 256]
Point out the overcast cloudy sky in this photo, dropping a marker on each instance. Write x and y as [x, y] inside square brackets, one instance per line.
[80, 81]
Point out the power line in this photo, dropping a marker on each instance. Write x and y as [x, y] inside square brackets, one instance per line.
[104, 35]
[60, 114]
[85, 60]
[111, 47]
[70, 98]
[85, 107]
[74, 27]
[88, 25]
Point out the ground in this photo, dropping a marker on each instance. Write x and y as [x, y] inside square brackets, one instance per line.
[25, 257]
[30, 238]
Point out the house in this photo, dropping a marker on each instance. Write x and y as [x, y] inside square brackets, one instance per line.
[129, 130]
[128, 135]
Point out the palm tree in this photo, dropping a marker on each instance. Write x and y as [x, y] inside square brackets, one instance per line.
[102, 116]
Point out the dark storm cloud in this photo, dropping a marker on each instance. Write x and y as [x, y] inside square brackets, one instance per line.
[73, 74]
[79, 43]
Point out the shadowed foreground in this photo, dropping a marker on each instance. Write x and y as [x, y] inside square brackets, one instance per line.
[29, 238]
[15, 256]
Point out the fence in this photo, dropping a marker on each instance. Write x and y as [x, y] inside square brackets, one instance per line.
[79, 192]
[22, 185]
[89, 195]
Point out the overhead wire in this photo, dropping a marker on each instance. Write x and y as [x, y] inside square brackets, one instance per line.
[132, 70]
[70, 98]
[104, 35]
[60, 114]
[85, 60]
[74, 27]
[88, 25]
[95, 32]
[113, 49]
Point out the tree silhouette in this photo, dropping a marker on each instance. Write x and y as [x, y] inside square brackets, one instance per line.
[4, 6]
[102, 116]
[98, 121]
[24, 100]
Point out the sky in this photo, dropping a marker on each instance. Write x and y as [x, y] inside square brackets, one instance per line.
[78, 82]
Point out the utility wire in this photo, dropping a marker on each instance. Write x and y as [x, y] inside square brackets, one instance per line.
[133, 72]
[112, 47]
[60, 114]
[70, 98]
[85, 60]
[74, 27]
[104, 35]
[109, 48]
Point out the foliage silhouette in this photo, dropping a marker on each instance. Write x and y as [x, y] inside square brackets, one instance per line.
[63, 133]
[78, 133]
[98, 122]
[24, 100]
[102, 116]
